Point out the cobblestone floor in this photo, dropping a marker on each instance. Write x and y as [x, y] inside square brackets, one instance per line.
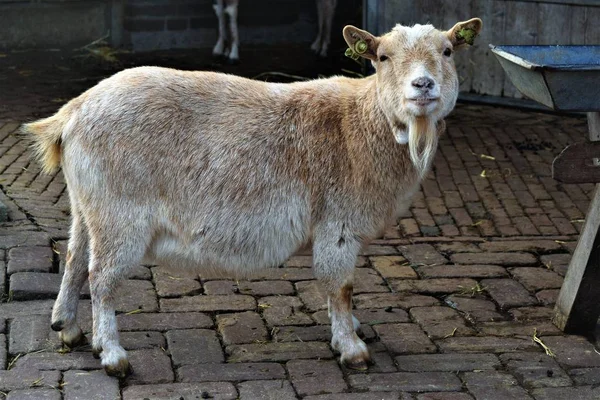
[449, 300]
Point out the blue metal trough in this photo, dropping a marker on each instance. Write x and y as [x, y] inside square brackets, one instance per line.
[565, 78]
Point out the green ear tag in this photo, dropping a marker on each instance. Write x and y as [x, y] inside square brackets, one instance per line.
[467, 34]
[349, 52]
[361, 46]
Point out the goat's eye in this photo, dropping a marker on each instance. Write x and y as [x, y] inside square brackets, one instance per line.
[383, 58]
[448, 52]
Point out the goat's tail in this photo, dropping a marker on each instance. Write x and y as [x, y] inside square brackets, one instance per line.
[46, 137]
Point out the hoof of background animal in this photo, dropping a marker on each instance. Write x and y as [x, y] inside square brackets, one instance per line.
[121, 370]
[233, 61]
[316, 46]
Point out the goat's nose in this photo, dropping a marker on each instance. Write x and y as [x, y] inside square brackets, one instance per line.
[423, 83]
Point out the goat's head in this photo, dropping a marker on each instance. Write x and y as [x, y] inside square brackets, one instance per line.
[417, 83]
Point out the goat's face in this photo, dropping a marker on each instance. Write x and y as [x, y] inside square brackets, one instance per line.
[416, 76]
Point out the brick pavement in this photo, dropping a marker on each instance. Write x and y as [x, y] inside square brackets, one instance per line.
[449, 299]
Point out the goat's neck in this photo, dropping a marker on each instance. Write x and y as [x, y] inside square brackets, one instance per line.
[408, 161]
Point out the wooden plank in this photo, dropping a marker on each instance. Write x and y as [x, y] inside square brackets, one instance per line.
[117, 22]
[453, 12]
[404, 13]
[578, 22]
[567, 2]
[578, 163]
[488, 75]
[593, 119]
[578, 305]
[520, 28]
[431, 12]
[592, 26]
[554, 24]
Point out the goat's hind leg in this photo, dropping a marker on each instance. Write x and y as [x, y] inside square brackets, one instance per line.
[64, 313]
[234, 53]
[219, 48]
[111, 256]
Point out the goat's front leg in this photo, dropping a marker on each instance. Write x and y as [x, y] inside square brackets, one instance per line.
[328, 11]
[335, 255]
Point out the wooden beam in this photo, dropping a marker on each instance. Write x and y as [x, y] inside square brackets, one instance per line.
[578, 306]
[117, 22]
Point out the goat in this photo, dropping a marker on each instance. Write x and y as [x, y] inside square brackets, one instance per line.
[325, 11]
[213, 170]
[224, 9]
[229, 8]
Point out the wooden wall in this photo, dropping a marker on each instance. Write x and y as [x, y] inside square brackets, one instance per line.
[504, 22]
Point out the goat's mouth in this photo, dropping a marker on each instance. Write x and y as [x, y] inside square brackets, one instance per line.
[423, 101]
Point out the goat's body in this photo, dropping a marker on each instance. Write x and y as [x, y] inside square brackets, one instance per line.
[241, 195]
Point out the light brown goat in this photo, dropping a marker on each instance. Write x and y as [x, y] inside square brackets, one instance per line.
[210, 170]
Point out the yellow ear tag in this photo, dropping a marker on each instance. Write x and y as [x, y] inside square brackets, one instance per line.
[467, 34]
[361, 46]
[351, 54]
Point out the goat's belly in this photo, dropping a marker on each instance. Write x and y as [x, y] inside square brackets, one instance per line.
[239, 245]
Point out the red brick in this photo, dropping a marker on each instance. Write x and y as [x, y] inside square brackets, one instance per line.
[208, 303]
[494, 258]
[422, 254]
[409, 227]
[432, 286]
[440, 322]
[404, 339]
[461, 216]
[453, 199]
[537, 278]
[230, 372]
[447, 362]
[548, 296]
[494, 385]
[393, 267]
[461, 271]
[216, 390]
[278, 351]
[508, 293]
[280, 390]
[485, 344]
[406, 381]
[316, 377]
[402, 300]
[246, 327]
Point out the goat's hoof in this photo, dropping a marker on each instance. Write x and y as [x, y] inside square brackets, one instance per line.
[58, 326]
[359, 363]
[122, 370]
[233, 61]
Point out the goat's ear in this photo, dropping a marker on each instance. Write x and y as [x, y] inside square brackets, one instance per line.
[361, 42]
[464, 33]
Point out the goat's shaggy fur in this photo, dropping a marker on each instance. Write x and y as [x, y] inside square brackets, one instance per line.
[212, 170]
